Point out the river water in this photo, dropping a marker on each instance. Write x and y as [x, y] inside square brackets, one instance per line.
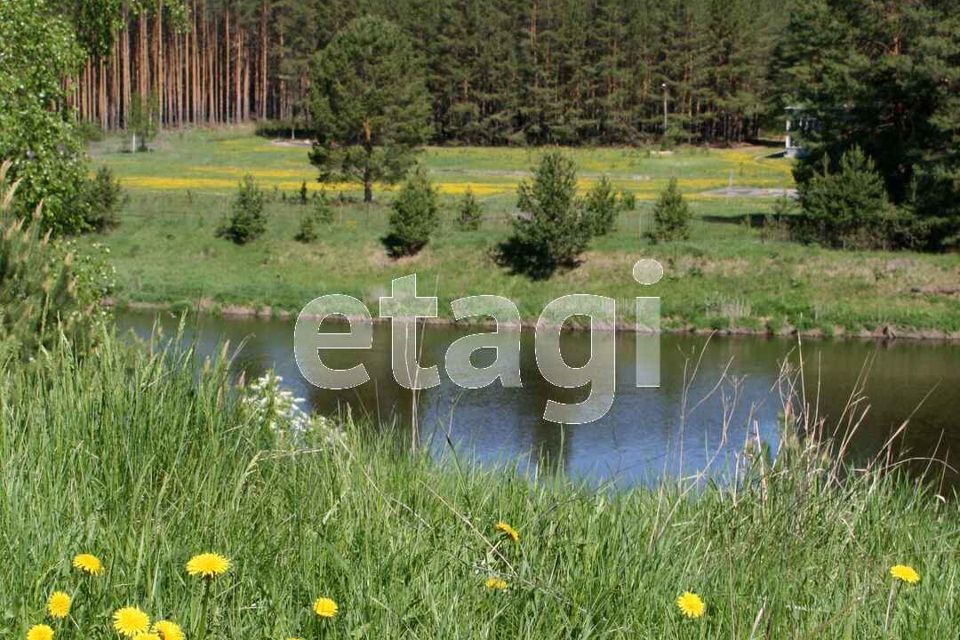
[690, 423]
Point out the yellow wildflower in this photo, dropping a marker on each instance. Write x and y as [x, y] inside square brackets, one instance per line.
[58, 605]
[325, 607]
[146, 636]
[208, 565]
[89, 564]
[131, 621]
[40, 632]
[167, 630]
[905, 573]
[507, 530]
[691, 605]
[495, 583]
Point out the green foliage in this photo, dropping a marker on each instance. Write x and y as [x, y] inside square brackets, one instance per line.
[143, 120]
[46, 288]
[414, 216]
[307, 233]
[844, 205]
[671, 215]
[90, 132]
[884, 81]
[369, 104]
[322, 210]
[552, 229]
[935, 200]
[470, 212]
[247, 221]
[304, 194]
[628, 200]
[97, 22]
[291, 129]
[38, 50]
[322, 214]
[104, 197]
[601, 207]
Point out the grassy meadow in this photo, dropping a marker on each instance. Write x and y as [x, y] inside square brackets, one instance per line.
[728, 276]
[214, 160]
[152, 464]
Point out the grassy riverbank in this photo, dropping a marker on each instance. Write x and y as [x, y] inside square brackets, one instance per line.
[728, 276]
[149, 464]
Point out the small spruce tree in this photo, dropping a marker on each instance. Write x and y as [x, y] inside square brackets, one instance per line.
[471, 215]
[845, 207]
[247, 220]
[671, 215]
[104, 197]
[322, 210]
[307, 232]
[602, 208]
[414, 216]
[553, 228]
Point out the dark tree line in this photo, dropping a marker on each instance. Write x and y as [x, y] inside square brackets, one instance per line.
[882, 80]
[498, 71]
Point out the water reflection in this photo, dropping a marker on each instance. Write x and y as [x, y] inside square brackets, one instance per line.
[647, 433]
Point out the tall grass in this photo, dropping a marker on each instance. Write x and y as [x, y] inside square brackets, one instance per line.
[132, 455]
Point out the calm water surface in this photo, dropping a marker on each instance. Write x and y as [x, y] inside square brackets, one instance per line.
[645, 434]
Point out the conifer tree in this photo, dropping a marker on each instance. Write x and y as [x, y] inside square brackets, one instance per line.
[369, 105]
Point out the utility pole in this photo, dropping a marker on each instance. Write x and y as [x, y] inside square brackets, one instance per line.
[664, 87]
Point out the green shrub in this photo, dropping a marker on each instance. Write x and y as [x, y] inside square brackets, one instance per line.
[414, 216]
[304, 193]
[46, 287]
[471, 214]
[671, 215]
[37, 133]
[104, 197]
[89, 131]
[845, 205]
[292, 129]
[552, 230]
[602, 208]
[247, 221]
[143, 120]
[322, 214]
[628, 200]
[307, 232]
[322, 210]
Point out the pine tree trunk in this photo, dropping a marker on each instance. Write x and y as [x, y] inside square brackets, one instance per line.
[262, 77]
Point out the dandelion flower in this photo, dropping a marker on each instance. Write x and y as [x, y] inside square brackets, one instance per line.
[40, 632]
[691, 605]
[58, 605]
[507, 530]
[131, 622]
[208, 565]
[167, 630]
[496, 584]
[325, 607]
[905, 573]
[146, 636]
[88, 563]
